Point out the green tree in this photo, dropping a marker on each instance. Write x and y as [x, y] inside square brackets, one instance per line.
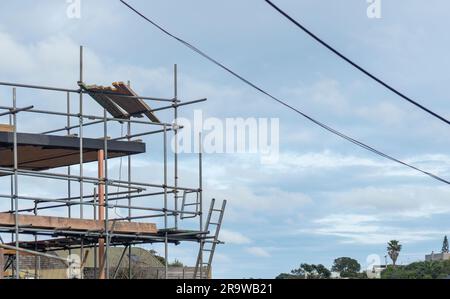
[176, 264]
[288, 276]
[312, 271]
[418, 270]
[322, 272]
[303, 271]
[445, 245]
[347, 267]
[394, 247]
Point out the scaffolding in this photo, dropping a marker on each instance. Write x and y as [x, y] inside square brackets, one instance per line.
[93, 198]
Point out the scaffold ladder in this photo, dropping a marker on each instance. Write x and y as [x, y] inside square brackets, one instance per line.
[209, 243]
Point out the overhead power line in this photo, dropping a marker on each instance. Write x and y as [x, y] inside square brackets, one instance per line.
[355, 65]
[261, 90]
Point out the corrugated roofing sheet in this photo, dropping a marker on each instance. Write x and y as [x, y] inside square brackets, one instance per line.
[120, 101]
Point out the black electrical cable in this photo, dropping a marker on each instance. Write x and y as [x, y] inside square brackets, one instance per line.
[355, 65]
[324, 126]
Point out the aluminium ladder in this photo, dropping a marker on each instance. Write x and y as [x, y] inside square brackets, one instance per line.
[209, 243]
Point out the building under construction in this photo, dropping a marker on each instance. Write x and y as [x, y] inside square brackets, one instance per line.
[85, 220]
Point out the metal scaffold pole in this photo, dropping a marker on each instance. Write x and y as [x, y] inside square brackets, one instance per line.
[129, 195]
[106, 176]
[95, 211]
[175, 130]
[13, 237]
[16, 184]
[200, 190]
[166, 247]
[69, 170]
[81, 120]
[69, 183]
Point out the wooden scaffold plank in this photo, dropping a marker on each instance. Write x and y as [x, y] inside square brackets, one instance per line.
[59, 223]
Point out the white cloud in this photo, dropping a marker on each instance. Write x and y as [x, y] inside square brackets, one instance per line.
[347, 219]
[328, 96]
[232, 237]
[258, 251]
[364, 229]
[372, 167]
[404, 201]
[386, 112]
[398, 200]
[325, 93]
[249, 203]
[324, 159]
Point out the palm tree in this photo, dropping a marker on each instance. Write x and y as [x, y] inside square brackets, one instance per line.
[445, 245]
[394, 248]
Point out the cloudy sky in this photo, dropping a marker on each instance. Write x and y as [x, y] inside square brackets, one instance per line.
[325, 198]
